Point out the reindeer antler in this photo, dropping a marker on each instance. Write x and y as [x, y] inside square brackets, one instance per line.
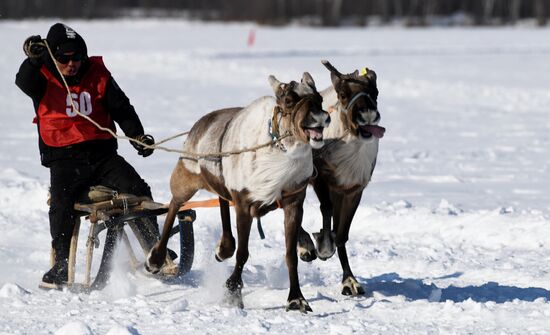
[331, 68]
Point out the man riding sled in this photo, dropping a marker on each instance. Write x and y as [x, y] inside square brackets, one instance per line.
[78, 153]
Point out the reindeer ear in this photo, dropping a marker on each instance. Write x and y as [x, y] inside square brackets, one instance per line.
[275, 84]
[366, 73]
[371, 75]
[308, 80]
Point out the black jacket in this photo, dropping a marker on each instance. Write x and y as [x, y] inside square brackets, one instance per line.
[33, 83]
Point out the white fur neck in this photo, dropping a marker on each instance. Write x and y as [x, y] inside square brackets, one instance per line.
[353, 157]
[276, 171]
[266, 172]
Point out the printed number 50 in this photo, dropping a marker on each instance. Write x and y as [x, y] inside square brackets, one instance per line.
[82, 103]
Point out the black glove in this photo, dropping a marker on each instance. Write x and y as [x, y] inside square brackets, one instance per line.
[146, 139]
[34, 46]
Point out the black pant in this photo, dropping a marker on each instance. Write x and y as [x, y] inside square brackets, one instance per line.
[71, 177]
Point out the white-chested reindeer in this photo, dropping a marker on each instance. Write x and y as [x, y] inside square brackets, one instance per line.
[255, 181]
[345, 165]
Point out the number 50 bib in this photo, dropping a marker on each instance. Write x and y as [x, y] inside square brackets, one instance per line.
[59, 124]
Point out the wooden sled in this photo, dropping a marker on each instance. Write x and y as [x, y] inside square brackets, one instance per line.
[104, 208]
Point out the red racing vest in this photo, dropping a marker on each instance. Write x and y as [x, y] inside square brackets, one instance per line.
[59, 125]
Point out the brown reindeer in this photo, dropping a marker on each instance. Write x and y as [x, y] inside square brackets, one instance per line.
[345, 165]
[256, 181]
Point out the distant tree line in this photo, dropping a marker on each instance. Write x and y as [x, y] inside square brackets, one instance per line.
[311, 12]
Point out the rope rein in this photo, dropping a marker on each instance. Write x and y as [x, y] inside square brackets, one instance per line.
[157, 146]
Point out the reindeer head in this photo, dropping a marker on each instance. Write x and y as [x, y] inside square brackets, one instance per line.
[300, 106]
[357, 94]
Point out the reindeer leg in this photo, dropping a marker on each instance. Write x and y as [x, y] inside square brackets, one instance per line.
[183, 185]
[234, 283]
[350, 285]
[157, 254]
[306, 247]
[226, 245]
[325, 238]
[293, 220]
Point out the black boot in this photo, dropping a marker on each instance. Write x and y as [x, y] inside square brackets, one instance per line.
[58, 275]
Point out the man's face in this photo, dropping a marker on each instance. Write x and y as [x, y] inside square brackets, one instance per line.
[69, 63]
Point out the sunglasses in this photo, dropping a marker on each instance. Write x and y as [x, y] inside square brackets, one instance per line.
[64, 59]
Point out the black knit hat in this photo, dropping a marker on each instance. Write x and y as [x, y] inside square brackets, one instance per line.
[63, 38]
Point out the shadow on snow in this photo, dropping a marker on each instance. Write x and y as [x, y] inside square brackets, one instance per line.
[392, 284]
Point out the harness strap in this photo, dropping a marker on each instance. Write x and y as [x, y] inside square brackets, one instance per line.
[289, 194]
[354, 100]
[209, 203]
[274, 124]
[351, 189]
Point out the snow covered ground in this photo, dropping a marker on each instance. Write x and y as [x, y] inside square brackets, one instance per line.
[452, 236]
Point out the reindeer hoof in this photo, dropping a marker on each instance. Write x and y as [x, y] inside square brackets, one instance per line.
[151, 268]
[298, 304]
[352, 287]
[325, 244]
[234, 299]
[307, 255]
[324, 257]
[306, 248]
[219, 258]
[152, 264]
[225, 249]
[233, 295]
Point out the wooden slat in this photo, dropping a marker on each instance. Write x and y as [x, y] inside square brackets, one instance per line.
[103, 210]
